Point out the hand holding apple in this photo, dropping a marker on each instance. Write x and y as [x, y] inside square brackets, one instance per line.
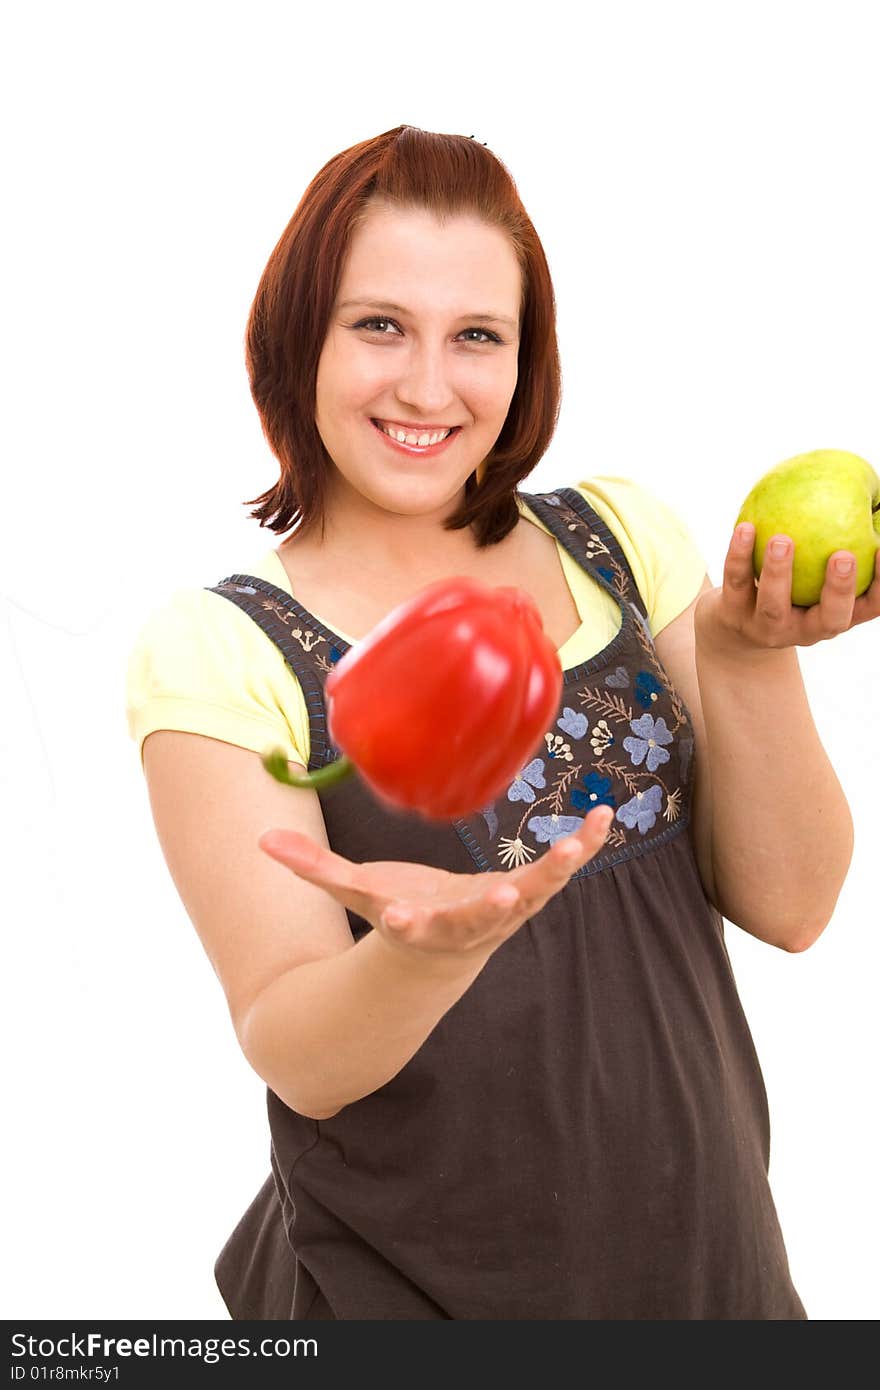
[825, 501]
[741, 617]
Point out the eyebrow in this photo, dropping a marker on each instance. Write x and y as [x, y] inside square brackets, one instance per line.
[399, 309]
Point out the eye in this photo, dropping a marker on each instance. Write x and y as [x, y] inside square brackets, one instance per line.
[368, 324]
[484, 333]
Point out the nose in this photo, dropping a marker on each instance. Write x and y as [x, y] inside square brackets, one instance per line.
[425, 382]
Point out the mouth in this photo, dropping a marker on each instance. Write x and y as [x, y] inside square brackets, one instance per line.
[416, 450]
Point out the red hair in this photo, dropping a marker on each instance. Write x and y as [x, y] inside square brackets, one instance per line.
[408, 168]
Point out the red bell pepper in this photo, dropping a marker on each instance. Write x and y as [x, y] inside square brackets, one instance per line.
[443, 702]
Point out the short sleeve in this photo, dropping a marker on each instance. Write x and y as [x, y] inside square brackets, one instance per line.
[201, 665]
[666, 562]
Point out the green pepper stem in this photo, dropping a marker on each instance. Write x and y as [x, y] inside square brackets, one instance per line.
[276, 764]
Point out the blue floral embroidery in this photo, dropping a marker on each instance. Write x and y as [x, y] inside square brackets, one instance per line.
[646, 748]
[647, 688]
[641, 810]
[619, 679]
[573, 722]
[548, 829]
[598, 793]
[531, 776]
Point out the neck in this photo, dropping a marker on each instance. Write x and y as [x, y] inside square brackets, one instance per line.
[392, 543]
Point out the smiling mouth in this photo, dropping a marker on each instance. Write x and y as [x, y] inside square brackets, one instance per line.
[392, 431]
[417, 449]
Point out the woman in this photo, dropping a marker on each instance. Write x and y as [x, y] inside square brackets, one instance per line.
[508, 1072]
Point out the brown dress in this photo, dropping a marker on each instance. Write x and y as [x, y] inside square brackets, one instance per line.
[585, 1132]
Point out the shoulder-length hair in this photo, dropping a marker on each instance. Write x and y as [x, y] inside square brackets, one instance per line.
[408, 168]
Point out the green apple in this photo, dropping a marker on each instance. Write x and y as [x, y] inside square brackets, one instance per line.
[827, 500]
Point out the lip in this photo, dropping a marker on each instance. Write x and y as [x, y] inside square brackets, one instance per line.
[412, 428]
[414, 451]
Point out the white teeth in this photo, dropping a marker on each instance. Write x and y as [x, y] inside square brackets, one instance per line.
[420, 441]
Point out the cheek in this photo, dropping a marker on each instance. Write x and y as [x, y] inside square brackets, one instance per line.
[497, 387]
[496, 404]
[346, 377]
[341, 396]
[360, 383]
[486, 393]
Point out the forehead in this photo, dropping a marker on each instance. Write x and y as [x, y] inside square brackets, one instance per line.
[410, 255]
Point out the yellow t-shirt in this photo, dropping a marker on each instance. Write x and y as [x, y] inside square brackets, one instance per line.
[202, 665]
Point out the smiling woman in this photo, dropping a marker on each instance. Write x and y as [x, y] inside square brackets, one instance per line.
[436, 391]
[508, 1072]
[427, 232]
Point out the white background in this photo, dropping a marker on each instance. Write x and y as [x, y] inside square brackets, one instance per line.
[704, 181]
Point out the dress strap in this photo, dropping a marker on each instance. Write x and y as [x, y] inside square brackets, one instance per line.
[306, 645]
[588, 540]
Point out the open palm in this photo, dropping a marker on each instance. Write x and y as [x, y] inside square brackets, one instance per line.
[433, 910]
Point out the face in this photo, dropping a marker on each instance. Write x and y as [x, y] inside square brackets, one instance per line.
[446, 356]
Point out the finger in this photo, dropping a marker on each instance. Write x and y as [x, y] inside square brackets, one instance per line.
[290, 847]
[738, 576]
[547, 875]
[319, 865]
[833, 613]
[867, 605]
[773, 608]
[514, 895]
[583, 843]
[305, 856]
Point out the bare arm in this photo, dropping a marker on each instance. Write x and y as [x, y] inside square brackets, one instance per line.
[322, 1019]
[331, 1031]
[782, 835]
[776, 831]
[772, 830]
[355, 1020]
